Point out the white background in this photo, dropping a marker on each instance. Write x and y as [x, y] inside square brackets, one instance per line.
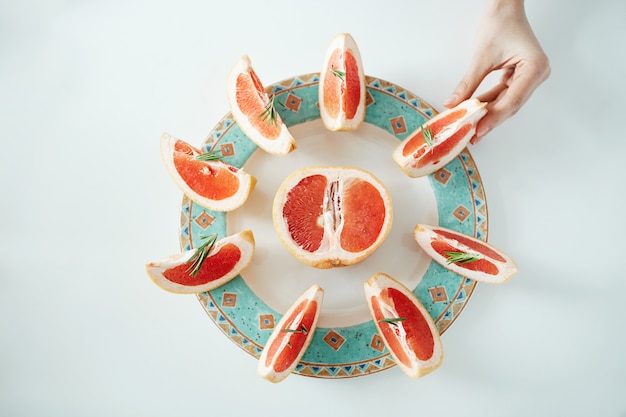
[87, 87]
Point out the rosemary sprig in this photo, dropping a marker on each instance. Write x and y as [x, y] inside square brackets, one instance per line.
[269, 114]
[198, 258]
[212, 155]
[460, 257]
[392, 320]
[339, 74]
[302, 329]
[427, 133]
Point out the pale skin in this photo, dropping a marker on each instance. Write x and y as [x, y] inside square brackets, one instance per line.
[504, 41]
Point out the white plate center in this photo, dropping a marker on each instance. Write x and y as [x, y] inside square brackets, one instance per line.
[277, 278]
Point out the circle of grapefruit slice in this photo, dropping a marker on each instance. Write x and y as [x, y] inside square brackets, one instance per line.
[406, 327]
[440, 139]
[292, 336]
[328, 216]
[255, 111]
[223, 262]
[342, 85]
[465, 255]
[213, 184]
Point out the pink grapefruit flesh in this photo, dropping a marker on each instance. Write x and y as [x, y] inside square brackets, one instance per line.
[292, 336]
[484, 263]
[447, 134]
[405, 326]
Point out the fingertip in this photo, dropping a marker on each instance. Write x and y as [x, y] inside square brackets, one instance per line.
[451, 101]
[482, 131]
[466, 87]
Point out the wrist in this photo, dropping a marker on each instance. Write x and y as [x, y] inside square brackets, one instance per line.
[504, 6]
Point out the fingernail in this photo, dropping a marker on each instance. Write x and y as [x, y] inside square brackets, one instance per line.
[450, 100]
[482, 132]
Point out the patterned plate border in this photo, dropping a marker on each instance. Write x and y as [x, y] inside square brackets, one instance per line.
[443, 293]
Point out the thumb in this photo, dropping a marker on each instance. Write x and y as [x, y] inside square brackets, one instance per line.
[468, 84]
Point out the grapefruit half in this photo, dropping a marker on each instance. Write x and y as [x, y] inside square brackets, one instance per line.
[328, 216]
[342, 85]
[213, 184]
[193, 272]
[292, 336]
[440, 139]
[255, 111]
[407, 329]
[465, 255]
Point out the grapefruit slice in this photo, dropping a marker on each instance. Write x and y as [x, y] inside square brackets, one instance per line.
[342, 85]
[255, 112]
[206, 267]
[213, 184]
[440, 139]
[406, 327]
[292, 336]
[465, 255]
[332, 216]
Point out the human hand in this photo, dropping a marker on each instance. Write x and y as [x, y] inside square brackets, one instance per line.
[504, 41]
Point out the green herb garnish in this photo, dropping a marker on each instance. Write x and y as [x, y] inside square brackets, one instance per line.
[392, 320]
[427, 133]
[212, 155]
[460, 257]
[339, 74]
[302, 329]
[198, 258]
[270, 115]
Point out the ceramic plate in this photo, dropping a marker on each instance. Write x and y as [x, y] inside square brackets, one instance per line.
[345, 343]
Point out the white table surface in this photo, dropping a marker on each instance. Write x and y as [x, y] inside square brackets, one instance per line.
[87, 87]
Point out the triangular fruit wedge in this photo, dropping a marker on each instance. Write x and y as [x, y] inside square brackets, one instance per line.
[255, 111]
[292, 336]
[206, 267]
[331, 216]
[406, 327]
[213, 184]
[342, 85]
[465, 255]
[439, 140]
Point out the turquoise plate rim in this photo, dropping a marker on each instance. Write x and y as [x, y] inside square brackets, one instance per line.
[358, 350]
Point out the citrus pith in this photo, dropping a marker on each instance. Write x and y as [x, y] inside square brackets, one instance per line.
[407, 329]
[465, 255]
[226, 259]
[332, 216]
[439, 140]
[213, 184]
[255, 111]
[342, 85]
[292, 336]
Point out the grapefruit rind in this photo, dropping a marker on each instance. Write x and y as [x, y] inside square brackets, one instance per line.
[416, 163]
[417, 367]
[243, 240]
[332, 254]
[246, 181]
[425, 234]
[284, 143]
[285, 330]
[342, 44]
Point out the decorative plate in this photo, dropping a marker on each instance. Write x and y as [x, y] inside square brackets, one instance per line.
[345, 343]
